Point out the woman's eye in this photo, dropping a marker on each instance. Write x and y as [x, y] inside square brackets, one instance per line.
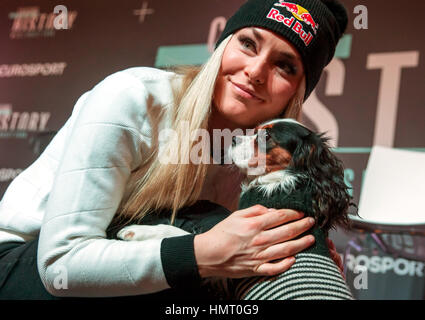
[247, 43]
[287, 67]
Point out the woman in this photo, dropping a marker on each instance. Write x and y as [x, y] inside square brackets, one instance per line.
[103, 167]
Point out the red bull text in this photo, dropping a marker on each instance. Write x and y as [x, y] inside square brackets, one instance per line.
[295, 26]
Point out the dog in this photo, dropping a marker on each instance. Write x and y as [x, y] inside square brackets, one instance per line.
[297, 171]
[293, 156]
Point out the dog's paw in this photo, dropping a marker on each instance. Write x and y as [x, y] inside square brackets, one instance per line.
[127, 233]
[143, 232]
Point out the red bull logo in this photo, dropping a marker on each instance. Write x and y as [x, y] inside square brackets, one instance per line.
[299, 13]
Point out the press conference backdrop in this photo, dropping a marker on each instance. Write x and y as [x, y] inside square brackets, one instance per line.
[372, 93]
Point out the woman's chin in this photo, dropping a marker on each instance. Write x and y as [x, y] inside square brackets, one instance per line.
[235, 118]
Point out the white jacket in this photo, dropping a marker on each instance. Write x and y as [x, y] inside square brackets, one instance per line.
[74, 188]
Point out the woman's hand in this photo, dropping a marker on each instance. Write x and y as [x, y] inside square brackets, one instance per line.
[252, 242]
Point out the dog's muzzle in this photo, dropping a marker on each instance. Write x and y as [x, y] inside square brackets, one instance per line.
[243, 150]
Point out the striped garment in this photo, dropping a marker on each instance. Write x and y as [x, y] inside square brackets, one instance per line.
[312, 277]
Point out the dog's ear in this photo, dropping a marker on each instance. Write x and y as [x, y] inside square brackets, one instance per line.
[331, 199]
[307, 151]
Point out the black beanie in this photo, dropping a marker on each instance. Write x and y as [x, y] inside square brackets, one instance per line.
[314, 28]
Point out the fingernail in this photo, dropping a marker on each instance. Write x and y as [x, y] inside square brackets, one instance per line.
[311, 220]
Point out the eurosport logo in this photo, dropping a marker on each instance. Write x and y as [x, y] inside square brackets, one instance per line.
[377, 264]
[29, 22]
[32, 69]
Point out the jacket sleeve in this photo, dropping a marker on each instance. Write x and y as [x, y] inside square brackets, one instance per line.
[109, 139]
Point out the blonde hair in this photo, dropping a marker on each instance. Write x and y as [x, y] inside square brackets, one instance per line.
[295, 105]
[157, 185]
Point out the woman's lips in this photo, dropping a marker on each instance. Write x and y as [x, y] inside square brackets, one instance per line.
[245, 91]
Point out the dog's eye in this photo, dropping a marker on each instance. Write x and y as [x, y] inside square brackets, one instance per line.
[265, 137]
[264, 134]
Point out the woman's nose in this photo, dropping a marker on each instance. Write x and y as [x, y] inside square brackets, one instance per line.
[256, 71]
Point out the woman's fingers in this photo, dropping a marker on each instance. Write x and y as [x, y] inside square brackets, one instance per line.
[253, 211]
[286, 249]
[284, 233]
[274, 268]
[273, 218]
[283, 255]
[267, 218]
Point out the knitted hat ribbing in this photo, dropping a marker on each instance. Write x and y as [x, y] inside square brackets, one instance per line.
[314, 27]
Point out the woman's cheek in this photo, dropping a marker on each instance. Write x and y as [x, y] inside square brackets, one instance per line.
[232, 62]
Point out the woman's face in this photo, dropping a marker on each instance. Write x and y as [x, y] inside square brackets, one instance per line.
[260, 73]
